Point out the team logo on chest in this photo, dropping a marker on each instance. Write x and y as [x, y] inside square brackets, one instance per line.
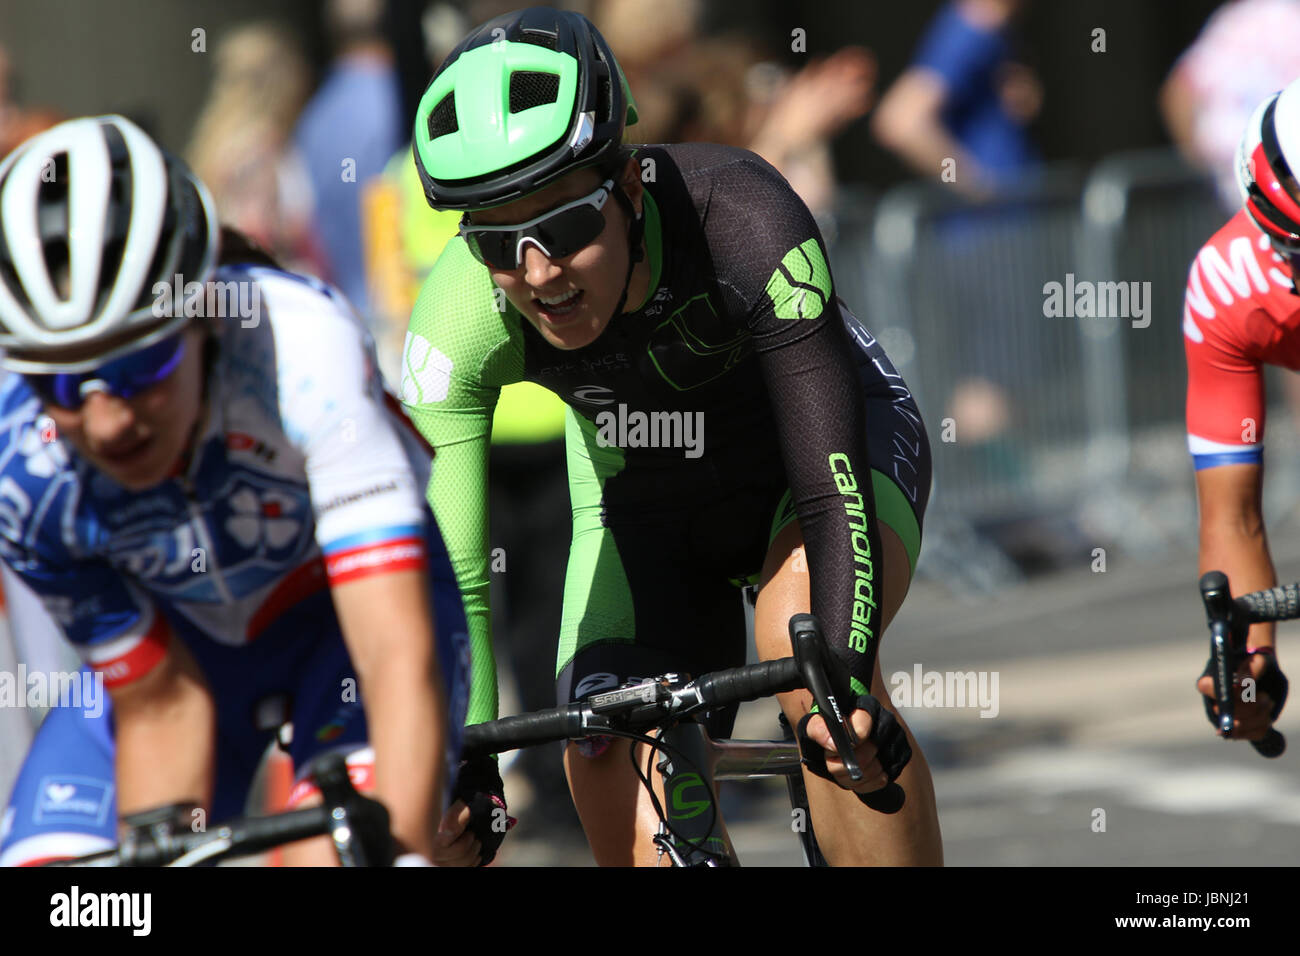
[264, 520]
[246, 533]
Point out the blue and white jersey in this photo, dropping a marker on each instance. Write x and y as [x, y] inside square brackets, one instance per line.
[303, 474]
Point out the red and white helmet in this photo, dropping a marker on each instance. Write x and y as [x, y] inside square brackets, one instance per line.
[1268, 161]
[93, 216]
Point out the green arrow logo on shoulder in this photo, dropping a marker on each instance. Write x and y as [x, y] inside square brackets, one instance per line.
[801, 285]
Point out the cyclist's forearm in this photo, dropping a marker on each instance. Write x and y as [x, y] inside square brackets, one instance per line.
[386, 625]
[1239, 548]
[407, 717]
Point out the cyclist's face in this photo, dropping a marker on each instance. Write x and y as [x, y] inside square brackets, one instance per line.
[136, 441]
[592, 277]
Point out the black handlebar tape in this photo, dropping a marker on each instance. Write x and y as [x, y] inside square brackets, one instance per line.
[750, 682]
[523, 730]
[1273, 604]
[259, 834]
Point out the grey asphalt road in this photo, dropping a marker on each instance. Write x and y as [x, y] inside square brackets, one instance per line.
[1096, 719]
[1099, 753]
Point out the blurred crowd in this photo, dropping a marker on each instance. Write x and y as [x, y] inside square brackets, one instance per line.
[314, 164]
[317, 170]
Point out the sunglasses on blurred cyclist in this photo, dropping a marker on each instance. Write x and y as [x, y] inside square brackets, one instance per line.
[124, 377]
[558, 233]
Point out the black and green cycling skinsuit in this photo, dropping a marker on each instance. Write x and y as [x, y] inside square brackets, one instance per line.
[739, 395]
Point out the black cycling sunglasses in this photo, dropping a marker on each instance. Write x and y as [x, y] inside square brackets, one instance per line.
[558, 233]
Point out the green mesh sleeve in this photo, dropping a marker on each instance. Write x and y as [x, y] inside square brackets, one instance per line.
[463, 344]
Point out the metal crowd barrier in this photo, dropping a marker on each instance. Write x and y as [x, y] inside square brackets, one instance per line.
[1033, 414]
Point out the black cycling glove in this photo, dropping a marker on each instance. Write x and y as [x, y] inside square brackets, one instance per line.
[1272, 682]
[886, 733]
[478, 784]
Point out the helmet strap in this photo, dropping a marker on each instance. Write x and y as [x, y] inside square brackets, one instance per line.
[635, 232]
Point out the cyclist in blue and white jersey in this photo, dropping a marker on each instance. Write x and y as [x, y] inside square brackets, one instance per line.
[204, 482]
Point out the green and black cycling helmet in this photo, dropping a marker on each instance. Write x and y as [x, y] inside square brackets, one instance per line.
[520, 102]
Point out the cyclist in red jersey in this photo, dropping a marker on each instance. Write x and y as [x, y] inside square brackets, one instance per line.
[1242, 311]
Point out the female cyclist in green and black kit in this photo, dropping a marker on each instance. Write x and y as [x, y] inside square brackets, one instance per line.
[726, 414]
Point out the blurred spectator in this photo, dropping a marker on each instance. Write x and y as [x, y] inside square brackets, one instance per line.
[798, 119]
[1246, 50]
[242, 147]
[644, 35]
[963, 98]
[347, 133]
[719, 90]
[698, 95]
[402, 239]
[17, 123]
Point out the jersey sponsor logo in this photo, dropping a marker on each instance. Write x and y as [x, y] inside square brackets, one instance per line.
[1238, 277]
[238, 441]
[800, 286]
[662, 299]
[610, 361]
[140, 508]
[426, 372]
[264, 520]
[240, 539]
[864, 595]
[390, 556]
[71, 799]
[341, 500]
[594, 395]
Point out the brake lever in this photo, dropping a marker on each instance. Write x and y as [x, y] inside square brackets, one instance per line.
[1227, 639]
[809, 648]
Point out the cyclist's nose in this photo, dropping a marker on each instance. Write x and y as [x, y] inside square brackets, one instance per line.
[105, 419]
[539, 269]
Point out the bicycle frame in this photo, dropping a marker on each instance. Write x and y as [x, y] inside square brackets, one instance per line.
[695, 817]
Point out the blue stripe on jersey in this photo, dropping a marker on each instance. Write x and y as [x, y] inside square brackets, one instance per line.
[1247, 456]
[373, 536]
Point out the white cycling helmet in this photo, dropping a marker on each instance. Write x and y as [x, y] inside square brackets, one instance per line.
[1268, 161]
[93, 215]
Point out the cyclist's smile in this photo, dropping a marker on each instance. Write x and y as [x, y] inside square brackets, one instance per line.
[559, 309]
